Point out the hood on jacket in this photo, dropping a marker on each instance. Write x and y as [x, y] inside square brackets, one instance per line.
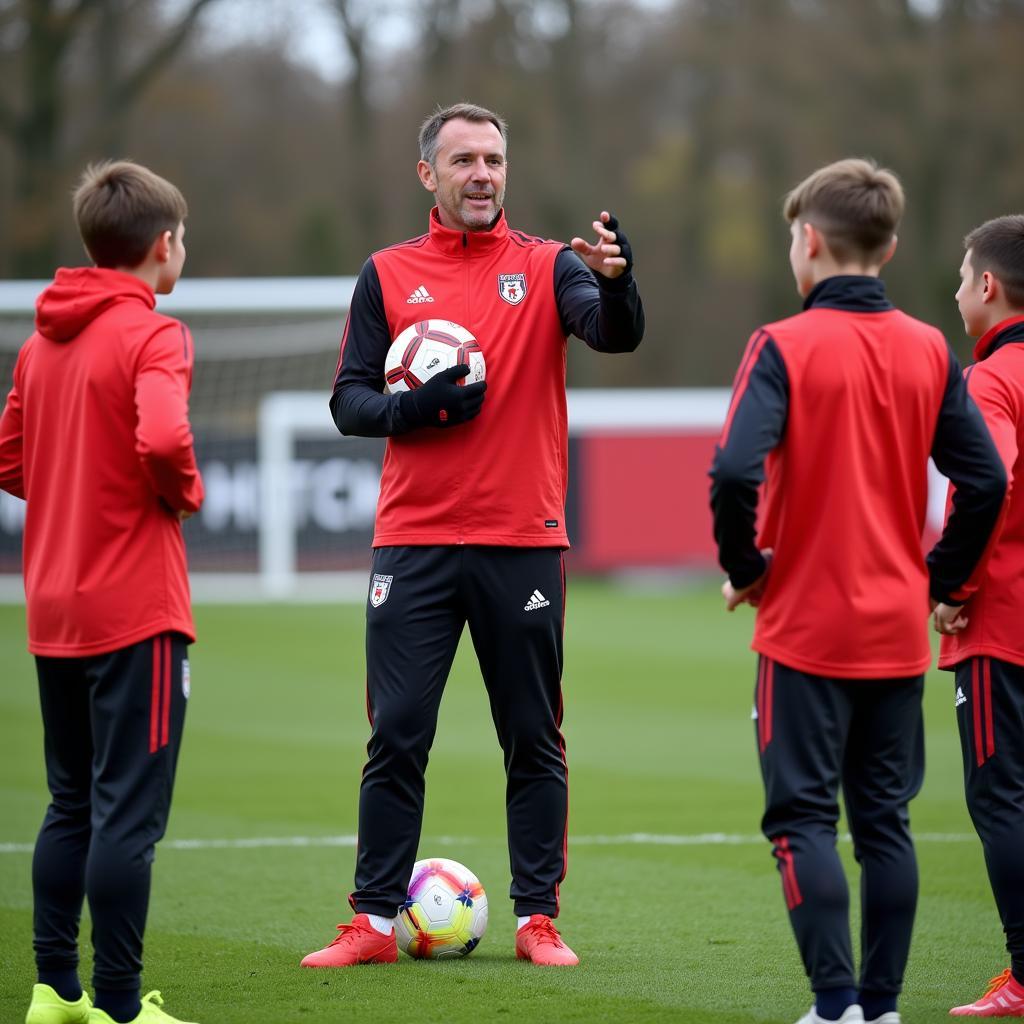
[80, 294]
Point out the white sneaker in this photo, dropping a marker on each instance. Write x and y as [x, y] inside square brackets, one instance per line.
[852, 1015]
[892, 1017]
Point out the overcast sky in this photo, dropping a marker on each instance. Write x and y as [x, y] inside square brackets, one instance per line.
[308, 29]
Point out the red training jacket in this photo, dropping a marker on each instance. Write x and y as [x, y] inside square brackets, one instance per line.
[501, 478]
[95, 436]
[995, 609]
[837, 409]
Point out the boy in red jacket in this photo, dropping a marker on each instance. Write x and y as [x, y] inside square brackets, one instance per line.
[837, 410]
[984, 644]
[95, 437]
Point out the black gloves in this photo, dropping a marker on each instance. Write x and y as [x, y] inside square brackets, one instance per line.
[442, 402]
[621, 241]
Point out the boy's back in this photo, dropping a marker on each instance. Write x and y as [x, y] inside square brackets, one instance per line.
[836, 411]
[847, 487]
[107, 456]
[95, 436]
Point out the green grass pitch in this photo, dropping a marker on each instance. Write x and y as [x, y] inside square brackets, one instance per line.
[658, 688]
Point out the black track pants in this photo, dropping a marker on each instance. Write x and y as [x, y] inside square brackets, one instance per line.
[816, 735]
[420, 599]
[990, 713]
[112, 725]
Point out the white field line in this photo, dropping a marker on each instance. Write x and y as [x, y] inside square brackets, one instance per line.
[629, 839]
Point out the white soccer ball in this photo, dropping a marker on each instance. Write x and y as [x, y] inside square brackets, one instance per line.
[428, 347]
[445, 912]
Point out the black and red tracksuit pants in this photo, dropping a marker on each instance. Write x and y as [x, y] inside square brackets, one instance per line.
[419, 601]
[989, 699]
[112, 731]
[815, 736]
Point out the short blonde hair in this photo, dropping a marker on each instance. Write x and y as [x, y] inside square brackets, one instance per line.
[121, 208]
[854, 203]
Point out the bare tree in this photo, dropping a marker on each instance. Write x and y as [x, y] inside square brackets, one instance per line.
[36, 126]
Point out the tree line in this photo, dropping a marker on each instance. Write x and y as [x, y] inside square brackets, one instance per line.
[690, 119]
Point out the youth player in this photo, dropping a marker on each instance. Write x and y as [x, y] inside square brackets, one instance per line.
[471, 518]
[837, 410]
[95, 437]
[983, 643]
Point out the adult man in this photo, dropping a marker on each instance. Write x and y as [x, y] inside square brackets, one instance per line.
[470, 524]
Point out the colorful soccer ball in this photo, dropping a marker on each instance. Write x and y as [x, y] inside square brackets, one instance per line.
[445, 912]
[428, 347]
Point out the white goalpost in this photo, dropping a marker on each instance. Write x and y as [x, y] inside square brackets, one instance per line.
[287, 416]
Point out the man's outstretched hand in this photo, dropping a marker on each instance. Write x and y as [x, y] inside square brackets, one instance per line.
[611, 255]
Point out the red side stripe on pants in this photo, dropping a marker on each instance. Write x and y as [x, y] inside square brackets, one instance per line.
[765, 686]
[154, 700]
[990, 742]
[790, 888]
[979, 746]
[760, 705]
[979, 753]
[165, 723]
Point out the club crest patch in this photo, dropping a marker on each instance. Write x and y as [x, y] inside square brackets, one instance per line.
[380, 588]
[512, 288]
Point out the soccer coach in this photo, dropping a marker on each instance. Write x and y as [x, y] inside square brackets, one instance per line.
[471, 518]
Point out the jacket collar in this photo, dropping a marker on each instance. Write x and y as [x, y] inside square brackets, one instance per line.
[853, 293]
[1004, 332]
[468, 243]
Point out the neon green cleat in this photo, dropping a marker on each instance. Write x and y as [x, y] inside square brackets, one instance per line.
[48, 1008]
[151, 1013]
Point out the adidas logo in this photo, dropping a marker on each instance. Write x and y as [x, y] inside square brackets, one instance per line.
[537, 600]
[420, 295]
[960, 698]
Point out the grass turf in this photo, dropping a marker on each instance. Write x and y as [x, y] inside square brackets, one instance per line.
[658, 688]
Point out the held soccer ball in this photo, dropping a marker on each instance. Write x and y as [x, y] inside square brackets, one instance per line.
[429, 347]
[445, 912]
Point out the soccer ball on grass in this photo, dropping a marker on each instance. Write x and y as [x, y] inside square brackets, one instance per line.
[445, 912]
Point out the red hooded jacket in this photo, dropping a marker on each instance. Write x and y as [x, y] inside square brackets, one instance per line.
[95, 436]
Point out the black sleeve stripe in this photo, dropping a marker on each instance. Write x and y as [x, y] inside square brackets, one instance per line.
[757, 342]
[964, 452]
[757, 425]
[358, 402]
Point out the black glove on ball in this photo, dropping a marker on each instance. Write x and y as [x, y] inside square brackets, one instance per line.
[621, 241]
[442, 402]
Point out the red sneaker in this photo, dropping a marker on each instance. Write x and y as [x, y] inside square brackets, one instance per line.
[1004, 998]
[540, 943]
[355, 943]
